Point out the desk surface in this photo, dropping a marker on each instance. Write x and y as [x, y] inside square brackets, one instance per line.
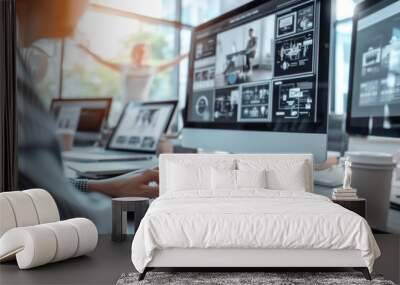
[103, 266]
[393, 222]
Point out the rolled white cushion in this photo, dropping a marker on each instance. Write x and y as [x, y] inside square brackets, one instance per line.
[33, 246]
[7, 218]
[45, 205]
[23, 208]
[87, 234]
[37, 245]
[67, 240]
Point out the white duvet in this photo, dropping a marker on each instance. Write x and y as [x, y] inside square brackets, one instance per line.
[250, 219]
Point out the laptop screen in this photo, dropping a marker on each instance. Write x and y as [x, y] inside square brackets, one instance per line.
[80, 115]
[141, 126]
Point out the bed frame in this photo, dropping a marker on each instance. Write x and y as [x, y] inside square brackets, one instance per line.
[250, 259]
[242, 259]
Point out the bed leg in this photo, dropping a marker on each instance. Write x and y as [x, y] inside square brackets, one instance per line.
[142, 275]
[365, 272]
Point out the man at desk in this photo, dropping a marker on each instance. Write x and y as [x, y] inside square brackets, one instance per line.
[250, 50]
[39, 157]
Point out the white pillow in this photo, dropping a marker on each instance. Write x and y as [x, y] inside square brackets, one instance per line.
[226, 179]
[292, 179]
[282, 174]
[251, 178]
[185, 174]
[182, 177]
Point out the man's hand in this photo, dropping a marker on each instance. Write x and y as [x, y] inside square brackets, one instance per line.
[135, 184]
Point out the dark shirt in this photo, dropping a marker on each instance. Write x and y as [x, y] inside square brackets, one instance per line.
[250, 48]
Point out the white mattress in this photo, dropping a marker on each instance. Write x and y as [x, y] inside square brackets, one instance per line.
[253, 219]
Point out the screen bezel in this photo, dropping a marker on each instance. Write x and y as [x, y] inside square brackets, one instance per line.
[172, 103]
[360, 126]
[321, 72]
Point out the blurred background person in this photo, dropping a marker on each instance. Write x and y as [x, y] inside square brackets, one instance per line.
[39, 158]
[138, 75]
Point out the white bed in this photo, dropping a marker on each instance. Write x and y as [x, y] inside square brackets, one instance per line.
[195, 223]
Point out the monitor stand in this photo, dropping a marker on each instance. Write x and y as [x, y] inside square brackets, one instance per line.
[243, 141]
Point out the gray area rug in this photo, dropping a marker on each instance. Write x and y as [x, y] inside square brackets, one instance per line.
[228, 278]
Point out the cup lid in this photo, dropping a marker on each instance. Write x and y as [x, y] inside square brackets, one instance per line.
[373, 158]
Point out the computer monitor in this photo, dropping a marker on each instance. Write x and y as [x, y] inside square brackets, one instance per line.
[84, 116]
[374, 86]
[258, 79]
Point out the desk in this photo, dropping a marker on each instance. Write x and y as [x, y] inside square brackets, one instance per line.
[393, 222]
[102, 266]
[358, 205]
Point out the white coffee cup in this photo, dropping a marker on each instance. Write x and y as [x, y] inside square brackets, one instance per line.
[65, 138]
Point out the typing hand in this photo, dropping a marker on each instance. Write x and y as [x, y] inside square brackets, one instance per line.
[132, 184]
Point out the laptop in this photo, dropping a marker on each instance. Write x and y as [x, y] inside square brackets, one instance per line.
[135, 137]
[84, 116]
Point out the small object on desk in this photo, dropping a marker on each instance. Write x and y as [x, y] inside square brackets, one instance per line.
[357, 205]
[165, 144]
[347, 174]
[65, 138]
[120, 207]
[345, 192]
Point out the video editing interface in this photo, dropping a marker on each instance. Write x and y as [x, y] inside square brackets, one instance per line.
[141, 126]
[256, 67]
[376, 84]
